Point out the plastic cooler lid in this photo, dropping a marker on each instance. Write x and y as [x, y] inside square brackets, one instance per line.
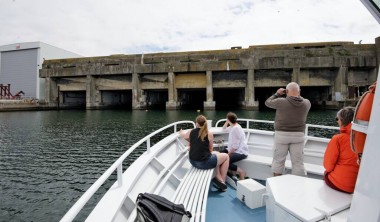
[305, 198]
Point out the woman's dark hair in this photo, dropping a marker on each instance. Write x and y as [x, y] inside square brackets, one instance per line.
[346, 115]
[232, 117]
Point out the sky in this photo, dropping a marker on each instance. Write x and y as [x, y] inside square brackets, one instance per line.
[107, 27]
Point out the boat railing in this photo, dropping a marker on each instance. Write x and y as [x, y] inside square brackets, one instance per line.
[118, 166]
[308, 126]
[249, 122]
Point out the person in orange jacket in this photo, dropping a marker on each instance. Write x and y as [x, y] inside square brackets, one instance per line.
[340, 161]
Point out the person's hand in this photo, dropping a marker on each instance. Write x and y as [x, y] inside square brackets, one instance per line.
[184, 134]
[225, 125]
[281, 91]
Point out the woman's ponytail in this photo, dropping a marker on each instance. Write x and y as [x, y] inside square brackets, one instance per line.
[202, 123]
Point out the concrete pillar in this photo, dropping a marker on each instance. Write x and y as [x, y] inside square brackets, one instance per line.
[61, 98]
[377, 46]
[296, 75]
[90, 92]
[172, 104]
[210, 103]
[373, 73]
[138, 99]
[250, 103]
[51, 92]
[372, 76]
[340, 91]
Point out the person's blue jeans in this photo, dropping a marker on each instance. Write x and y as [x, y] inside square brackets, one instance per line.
[234, 158]
[206, 164]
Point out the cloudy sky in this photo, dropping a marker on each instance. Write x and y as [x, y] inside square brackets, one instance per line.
[105, 27]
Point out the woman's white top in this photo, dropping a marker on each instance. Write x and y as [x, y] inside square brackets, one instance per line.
[236, 139]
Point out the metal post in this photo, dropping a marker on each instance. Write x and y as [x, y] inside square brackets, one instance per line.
[120, 175]
[148, 145]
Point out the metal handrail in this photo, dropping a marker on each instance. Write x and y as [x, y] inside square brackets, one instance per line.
[117, 165]
[272, 122]
[247, 121]
[319, 126]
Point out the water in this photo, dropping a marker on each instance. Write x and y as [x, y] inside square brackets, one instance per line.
[49, 158]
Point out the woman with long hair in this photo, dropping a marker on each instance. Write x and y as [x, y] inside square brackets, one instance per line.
[201, 154]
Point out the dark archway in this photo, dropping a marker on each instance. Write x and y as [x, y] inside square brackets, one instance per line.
[118, 99]
[192, 99]
[228, 99]
[156, 99]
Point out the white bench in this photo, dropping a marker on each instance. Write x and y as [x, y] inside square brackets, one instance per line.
[193, 191]
[267, 161]
[306, 199]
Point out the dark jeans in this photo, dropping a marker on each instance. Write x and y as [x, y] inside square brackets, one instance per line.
[234, 158]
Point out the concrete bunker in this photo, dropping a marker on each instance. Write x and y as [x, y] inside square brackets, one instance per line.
[318, 95]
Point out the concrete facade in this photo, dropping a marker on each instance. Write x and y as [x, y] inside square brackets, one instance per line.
[331, 74]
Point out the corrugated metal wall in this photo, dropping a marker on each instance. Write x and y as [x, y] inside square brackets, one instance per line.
[18, 68]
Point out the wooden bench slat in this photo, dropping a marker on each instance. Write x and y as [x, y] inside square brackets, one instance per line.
[204, 195]
[195, 194]
[184, 186]
[193, 191]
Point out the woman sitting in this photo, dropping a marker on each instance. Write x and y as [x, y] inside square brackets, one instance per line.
[237, 144]
[201, 154]
[340, 161]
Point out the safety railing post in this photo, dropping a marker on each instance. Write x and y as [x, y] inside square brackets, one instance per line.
[148, 145]
[120, 175]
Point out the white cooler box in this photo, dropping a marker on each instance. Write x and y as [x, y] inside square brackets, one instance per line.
[250, 192]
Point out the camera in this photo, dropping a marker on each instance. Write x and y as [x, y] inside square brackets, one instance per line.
[284, 91]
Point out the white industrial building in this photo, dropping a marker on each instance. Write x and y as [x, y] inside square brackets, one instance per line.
[20, 64]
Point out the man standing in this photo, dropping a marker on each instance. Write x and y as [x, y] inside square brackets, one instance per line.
[289, 126]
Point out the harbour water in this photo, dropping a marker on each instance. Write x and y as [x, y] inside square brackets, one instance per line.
[49, 158]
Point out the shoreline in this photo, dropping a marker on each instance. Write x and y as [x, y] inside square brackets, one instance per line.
[35, 105]
[22, 105]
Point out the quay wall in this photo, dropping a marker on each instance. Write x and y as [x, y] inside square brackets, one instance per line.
[22, 105]
[332, 74]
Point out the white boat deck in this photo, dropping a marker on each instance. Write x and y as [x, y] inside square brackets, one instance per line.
[166, 171]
